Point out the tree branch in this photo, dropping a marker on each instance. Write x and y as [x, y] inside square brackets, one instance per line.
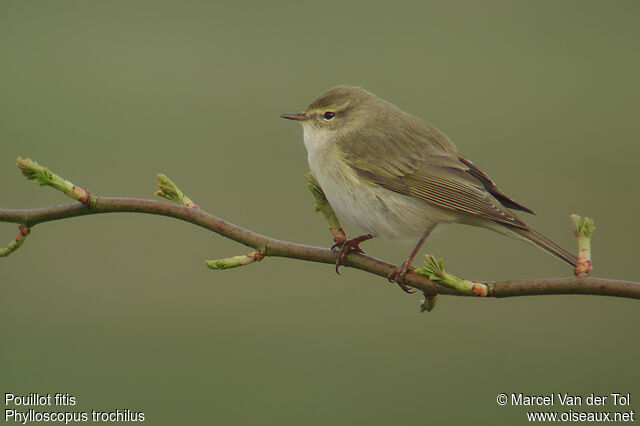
[274, 247]
[267, 247]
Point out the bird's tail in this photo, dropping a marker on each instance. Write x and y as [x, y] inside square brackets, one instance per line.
[547, 245]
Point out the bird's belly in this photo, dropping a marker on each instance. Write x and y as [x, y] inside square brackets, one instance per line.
[374, 209]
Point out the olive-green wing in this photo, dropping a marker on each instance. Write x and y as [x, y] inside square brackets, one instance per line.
[417, 165]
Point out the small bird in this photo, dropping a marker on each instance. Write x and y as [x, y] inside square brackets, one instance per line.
[397, 177]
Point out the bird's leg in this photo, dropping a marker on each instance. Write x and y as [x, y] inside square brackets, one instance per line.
[398, 274]
[346, 246]
[338, 235]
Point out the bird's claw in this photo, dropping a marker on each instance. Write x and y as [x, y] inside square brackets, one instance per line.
[347, 246]
[397, 276]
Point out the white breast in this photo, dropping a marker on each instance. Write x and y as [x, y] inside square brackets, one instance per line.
[372, 208]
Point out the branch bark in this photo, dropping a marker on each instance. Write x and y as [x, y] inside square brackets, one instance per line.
[273, 247]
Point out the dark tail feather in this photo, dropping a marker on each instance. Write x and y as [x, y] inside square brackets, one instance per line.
[547, 245]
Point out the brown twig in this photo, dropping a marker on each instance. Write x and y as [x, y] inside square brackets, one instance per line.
[279, 248]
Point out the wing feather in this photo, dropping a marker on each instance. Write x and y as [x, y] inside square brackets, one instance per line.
[423, 163]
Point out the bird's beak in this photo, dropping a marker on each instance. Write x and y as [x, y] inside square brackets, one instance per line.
[298, 117]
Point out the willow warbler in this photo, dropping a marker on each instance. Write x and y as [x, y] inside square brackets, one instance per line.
[395, 176]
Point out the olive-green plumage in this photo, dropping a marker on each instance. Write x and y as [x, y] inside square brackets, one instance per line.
[395, 175]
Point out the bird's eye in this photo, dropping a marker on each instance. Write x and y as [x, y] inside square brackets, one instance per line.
[329, 115]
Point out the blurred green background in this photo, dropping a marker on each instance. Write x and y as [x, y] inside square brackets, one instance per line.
[119, 309]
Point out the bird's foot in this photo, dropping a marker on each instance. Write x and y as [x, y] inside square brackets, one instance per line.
[347, 246]
[398, 274]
